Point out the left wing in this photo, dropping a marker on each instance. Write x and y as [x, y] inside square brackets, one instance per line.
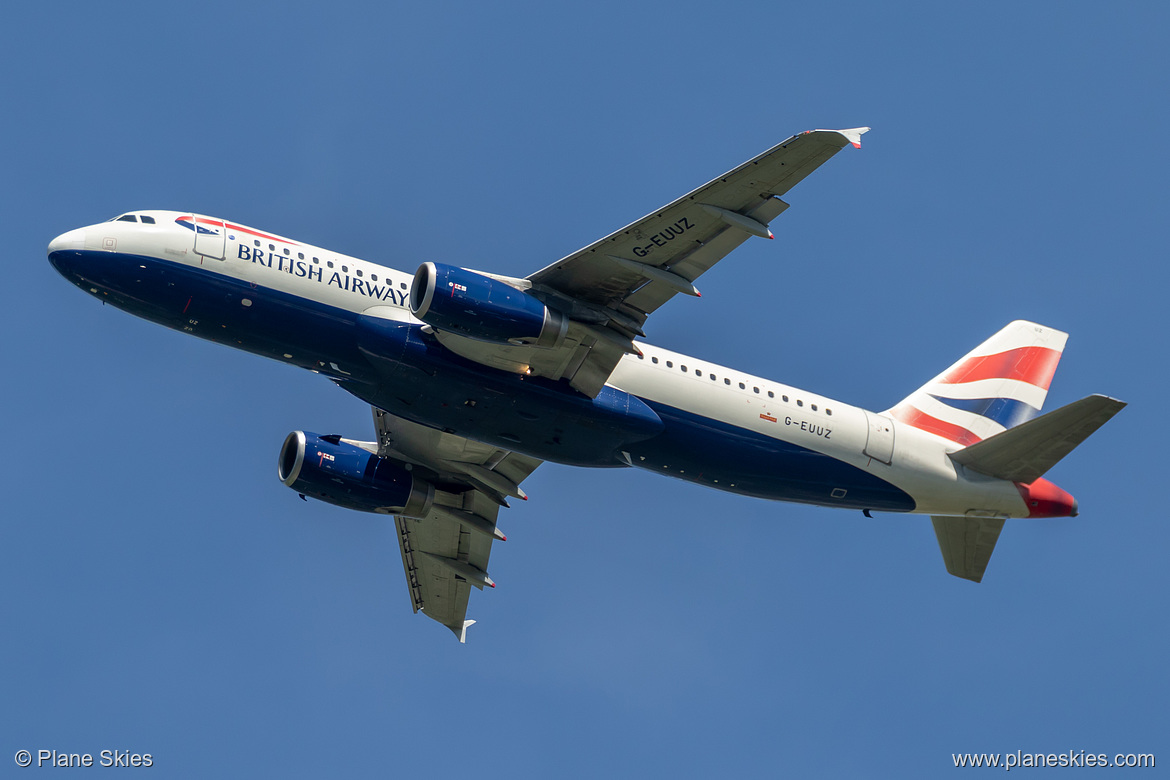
[635, 270]
[445, 552]
[607, 289]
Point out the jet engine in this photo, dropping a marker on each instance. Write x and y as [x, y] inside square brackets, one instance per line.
[483, 307]
[341, 472]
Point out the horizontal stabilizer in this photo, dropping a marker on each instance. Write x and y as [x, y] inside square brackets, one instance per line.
[1025, 452]
[967, 543]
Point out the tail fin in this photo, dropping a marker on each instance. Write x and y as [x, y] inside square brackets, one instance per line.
[999, 384]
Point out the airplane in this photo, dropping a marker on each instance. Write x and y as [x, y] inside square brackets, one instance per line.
[475, 378]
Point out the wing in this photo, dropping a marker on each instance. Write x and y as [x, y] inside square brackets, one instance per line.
[642, 266]
[445, 551]
[608, 288]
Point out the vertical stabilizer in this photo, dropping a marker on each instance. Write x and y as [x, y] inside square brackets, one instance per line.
[999, 384]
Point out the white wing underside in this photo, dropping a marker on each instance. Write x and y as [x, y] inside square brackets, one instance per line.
[445, 552]
[608, 288]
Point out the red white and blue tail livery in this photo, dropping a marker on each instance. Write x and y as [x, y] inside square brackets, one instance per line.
[996, 386]
[475, 379]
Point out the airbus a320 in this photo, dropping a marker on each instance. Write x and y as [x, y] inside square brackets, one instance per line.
[476, 378]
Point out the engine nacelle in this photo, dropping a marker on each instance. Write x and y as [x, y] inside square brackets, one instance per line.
[335, 471]
[470, 304]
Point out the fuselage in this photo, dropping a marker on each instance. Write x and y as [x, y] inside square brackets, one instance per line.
[662, 411]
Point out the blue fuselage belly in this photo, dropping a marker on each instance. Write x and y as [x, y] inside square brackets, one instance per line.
[728, 457]
[396, 367]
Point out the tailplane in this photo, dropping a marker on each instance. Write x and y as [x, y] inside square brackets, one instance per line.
[996, 386]
[1024, 453]
[967, 544]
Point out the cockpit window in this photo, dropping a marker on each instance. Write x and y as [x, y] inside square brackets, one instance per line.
[127, 218]
[147, 220]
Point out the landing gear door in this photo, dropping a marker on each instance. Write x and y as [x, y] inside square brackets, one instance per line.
[879, 443]
[210, 236]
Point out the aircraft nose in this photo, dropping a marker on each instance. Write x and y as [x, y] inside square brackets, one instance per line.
[74, 239]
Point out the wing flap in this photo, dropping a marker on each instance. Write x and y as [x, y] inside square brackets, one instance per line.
[967, 543]
[1024, 453]
[445, 552]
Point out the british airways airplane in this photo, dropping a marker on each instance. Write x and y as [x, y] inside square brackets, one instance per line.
[476, 378]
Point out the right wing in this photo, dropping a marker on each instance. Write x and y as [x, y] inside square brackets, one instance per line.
[445, 552]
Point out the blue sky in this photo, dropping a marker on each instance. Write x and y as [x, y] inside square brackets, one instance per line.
[162, 592]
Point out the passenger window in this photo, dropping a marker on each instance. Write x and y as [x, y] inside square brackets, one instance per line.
[726, 381]
[829, 412]
[640, 357]
[148, 220]
[741, 387]
[373, 277]
[653, 360]
[315, 260]
[402, 285]
[359, 272]
[814, 407]
[330, 264]
[300, 255]
[669, 364]
[712, 377]
[286, 250]
[698, 372]
[799, 402]
[771, 394]
[785, 398]
[684, 369]
[256, 242]
[756, 390]
[272, 247]
[127, 218]
[345, 269]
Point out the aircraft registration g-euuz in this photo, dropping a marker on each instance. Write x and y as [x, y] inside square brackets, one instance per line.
[475, 379]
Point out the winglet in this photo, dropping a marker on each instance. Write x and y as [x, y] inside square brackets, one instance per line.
[463, 631]
[852, 135]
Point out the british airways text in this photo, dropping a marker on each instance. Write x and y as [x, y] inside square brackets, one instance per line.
[306, 270]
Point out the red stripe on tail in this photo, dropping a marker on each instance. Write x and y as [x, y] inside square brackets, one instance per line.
[924, 422]
[1034, 365]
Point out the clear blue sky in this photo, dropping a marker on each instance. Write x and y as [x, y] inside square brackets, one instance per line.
[162, 592]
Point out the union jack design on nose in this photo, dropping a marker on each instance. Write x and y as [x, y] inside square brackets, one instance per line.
[998, 385]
